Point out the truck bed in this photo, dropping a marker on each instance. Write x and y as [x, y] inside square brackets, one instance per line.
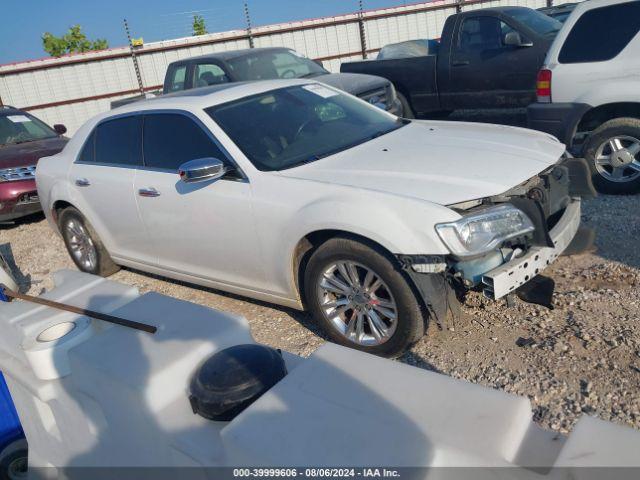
[413, 77]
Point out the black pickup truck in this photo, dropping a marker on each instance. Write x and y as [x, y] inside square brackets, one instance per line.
[486, 58]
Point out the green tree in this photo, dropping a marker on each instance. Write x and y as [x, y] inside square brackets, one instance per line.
[199, 27]
[71, 42]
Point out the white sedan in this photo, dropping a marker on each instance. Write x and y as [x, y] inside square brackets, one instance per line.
[296, 193]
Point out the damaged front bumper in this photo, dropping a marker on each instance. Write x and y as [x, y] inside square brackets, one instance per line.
[508, 277]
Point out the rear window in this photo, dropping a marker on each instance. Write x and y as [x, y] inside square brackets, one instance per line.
[177, 79]
[601, 34]
[119, 142]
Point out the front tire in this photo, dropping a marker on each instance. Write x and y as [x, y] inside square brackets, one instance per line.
[361, 298]
[83, 244]
[613, 154]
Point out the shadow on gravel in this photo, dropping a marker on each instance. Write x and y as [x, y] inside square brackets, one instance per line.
[29, 219]
[617, 228]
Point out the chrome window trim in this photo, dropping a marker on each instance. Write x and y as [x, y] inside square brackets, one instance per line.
[227, 156]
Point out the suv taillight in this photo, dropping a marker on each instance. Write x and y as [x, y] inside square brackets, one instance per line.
[543, 86]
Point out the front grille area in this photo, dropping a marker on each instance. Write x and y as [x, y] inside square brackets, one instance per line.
[377, 96]
[18, 173]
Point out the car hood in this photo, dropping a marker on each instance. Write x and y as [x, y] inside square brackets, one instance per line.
[440, 162]
[353, 83]
[26, 154]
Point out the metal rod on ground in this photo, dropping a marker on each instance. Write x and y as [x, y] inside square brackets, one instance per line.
[80, 311]
[363, 35]
[248, 18]
[134, 58]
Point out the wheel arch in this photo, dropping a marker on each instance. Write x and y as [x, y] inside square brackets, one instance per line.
[596, 116]
[313, 240]
[57, 207]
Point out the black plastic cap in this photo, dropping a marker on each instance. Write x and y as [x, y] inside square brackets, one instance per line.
[234, 378]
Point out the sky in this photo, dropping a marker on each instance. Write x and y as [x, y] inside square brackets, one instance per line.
[24, 21]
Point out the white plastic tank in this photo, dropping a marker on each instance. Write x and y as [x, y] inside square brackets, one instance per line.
[92, 394]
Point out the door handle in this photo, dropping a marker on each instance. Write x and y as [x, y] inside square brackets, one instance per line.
[459, 63]
[148, 192]
[82, 182]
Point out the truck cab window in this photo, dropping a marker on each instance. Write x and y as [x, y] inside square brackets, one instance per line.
[480, 33]
[177, 79]
[209, 74]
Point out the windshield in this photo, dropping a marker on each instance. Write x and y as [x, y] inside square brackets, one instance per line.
[536, 21]
[21, 127]
[290, 126]
[272, 65]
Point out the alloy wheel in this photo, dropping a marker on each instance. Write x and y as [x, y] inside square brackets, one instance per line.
[357, 303]
[81, 245]
[618, 159]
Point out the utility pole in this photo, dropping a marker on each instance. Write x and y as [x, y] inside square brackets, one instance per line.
[363, 36]
[248, 19]
[134, 58]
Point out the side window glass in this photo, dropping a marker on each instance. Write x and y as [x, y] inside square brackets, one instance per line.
[88, 152]
[601, 34]
[170, 139]
[480, 33]
[178, 78]
[209, 74]
[118, 141]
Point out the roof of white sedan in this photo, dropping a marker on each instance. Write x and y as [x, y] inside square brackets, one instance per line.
[205, 97]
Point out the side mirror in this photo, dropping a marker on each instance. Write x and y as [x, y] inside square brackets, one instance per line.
[202, 170]
[513, 39]
[60, 129]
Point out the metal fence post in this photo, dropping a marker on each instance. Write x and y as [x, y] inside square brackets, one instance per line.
[549, 3]
[248, 19]
[363, 34]
[134, 58]
[459, 4]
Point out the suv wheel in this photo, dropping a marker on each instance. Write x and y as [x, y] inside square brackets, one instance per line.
[613, 153]
[361, 298]
[84, 245]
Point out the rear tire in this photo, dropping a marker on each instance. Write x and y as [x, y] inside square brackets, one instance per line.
[362, 304]
[604, 162]
[407, 111]
[83, 244]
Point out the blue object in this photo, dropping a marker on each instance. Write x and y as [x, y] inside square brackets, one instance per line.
[10, 428]
[3, 297]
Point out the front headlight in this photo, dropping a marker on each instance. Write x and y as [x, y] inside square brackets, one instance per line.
[483, 231]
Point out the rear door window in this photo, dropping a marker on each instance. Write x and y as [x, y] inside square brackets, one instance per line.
[601, 34]
[171, 139]
[118, 142]
[88, 153]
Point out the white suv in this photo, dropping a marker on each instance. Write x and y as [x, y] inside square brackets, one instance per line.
[299, 194]
[589, 91]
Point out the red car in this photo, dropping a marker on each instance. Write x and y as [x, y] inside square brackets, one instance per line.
[23, 141]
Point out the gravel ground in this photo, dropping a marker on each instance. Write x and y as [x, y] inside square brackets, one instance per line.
[583, 357]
